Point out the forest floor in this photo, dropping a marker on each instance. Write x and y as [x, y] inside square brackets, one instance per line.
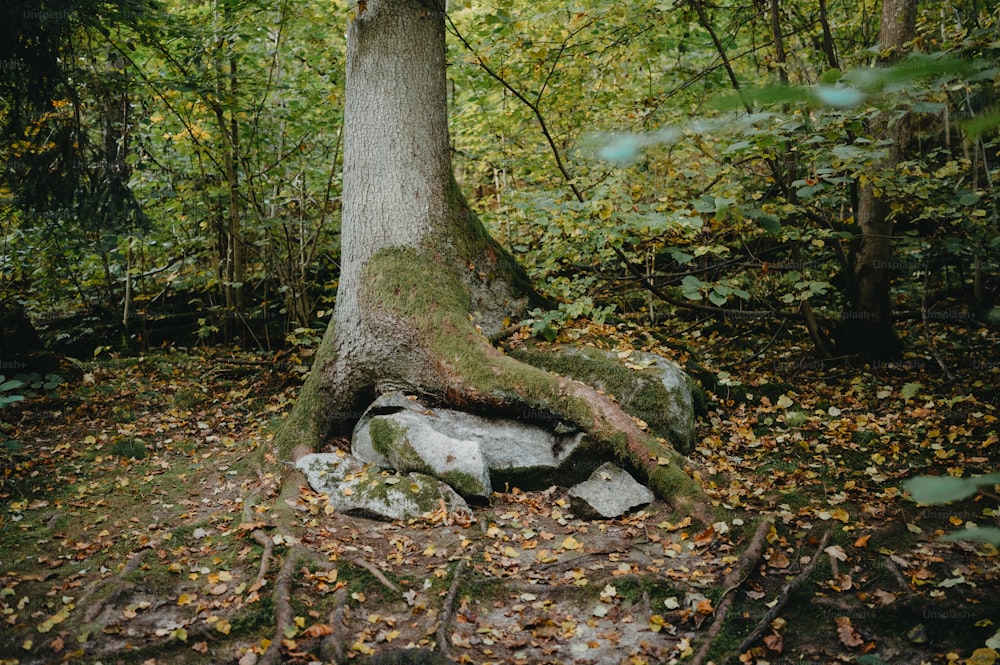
[143, 519]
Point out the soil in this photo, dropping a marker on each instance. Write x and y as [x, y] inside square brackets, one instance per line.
[145, 519]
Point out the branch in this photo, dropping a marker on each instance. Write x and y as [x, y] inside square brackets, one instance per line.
[448, 610]
[379, 575]
[527, 102]
[734, 579]
[782, 600]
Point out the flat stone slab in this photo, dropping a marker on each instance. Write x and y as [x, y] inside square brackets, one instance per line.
[609, 492]
[472, 453]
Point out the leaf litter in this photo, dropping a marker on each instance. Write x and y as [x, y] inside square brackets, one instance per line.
[132, 528]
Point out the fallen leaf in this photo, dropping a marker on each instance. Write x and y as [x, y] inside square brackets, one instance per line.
[845, 631]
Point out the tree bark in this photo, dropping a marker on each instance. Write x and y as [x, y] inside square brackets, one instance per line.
[868, 330]
[422, 283]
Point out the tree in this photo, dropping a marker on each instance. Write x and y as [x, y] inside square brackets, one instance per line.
[870, 332]
[422, 283]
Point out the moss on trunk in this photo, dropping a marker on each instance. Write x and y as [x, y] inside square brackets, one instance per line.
[428, 298]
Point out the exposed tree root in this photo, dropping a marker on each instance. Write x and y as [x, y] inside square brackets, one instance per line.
[378, 574]
[448, 610]
[444, 356]
[783, 597]
[283, 614]
[133, 564]
[332, 647]
[734, 579]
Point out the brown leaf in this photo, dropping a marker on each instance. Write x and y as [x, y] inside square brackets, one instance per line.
[862, 541]
[318, 630]
[705, 537]
[848, 636]
[774, 642]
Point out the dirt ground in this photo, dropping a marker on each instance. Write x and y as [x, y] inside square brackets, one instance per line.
[144, 519]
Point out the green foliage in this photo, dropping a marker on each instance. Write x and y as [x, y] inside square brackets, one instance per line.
[945, 489]
[7, 388]
[27, 385]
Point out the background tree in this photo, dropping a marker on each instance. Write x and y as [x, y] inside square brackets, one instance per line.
[869, 331]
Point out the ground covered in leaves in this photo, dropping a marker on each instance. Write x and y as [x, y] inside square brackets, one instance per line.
[145, 519]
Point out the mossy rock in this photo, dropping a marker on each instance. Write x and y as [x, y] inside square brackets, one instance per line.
[648, 386]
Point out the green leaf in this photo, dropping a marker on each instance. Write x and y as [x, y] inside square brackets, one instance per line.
[910, 390]
[945, 489]
[841, 98]
[982, 534]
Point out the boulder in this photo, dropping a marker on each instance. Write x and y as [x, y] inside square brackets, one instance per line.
[361, 490]
[409, 441]
[609, 492]
[470, 452]
[648, 386]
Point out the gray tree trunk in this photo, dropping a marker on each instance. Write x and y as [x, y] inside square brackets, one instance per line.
[869, 331]
[399, 193]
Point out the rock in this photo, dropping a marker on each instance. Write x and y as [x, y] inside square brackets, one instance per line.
[648, 386]
[355, 488]
[409, 441]
[520, 454]
[676, 421]
[609, 492]
[472, 453]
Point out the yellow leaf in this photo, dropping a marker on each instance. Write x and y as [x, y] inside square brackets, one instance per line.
[983, 657]
[186, 599]
[223, 626]
[570, 543]
[27, 645]
[361, 648]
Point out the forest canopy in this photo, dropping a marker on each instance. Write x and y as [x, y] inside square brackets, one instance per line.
[172, 170]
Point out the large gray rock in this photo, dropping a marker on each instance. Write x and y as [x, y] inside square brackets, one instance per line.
[411, 441]
[609, 492]
[470, 452]
[361, 490]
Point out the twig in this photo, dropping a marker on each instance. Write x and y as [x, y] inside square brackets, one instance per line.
[899, 576]
[783, 597]
[928, 335]
[735, 578]
[379, 575]
[448, 610]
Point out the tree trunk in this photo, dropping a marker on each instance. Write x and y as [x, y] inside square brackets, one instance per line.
[868, 330]
[422, 284]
